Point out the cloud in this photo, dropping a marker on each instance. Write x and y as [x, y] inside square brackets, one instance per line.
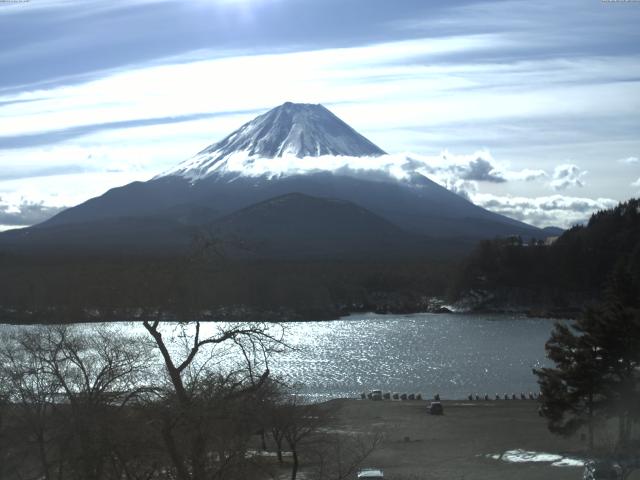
[555, 210]
[460, 173]
[15, 173]
[463, 188]
[482, 170]
[526, 175]
[50, 137]
[636, 183]
[567, 176]
[452, 169]
[26, 213]
[457, 172]
[629, 160]
[149, 31]
[24, 197]
[424, 82]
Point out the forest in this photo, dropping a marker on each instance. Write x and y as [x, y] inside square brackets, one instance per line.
[67, 288]
[502, 274]
[560, 278]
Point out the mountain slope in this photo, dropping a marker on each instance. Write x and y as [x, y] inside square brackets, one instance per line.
[224, 178]
[424, 207]
[300, 226]
[123, 235]
[291, 226]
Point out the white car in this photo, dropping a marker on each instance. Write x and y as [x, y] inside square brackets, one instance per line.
[371, 474]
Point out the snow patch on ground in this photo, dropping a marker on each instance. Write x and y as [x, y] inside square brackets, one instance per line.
[524, 456]
[569, 462]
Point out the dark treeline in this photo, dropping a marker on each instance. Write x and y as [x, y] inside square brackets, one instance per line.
[72, 288]
[96, 404]
[595, 382]
[563, 276]
[557, 279]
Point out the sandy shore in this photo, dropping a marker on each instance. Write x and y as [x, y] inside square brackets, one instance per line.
[460, 444]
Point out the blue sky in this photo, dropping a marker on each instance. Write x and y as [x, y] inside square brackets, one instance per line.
[529, 108]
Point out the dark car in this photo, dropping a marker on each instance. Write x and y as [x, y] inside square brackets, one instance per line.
[435, 408]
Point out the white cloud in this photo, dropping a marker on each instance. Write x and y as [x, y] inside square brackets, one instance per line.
[67, 190]
[555, 210]
[480, 166]
[567, 176]
[527, 175]
[629, 160]
[636, 183]
[416, 92]
[24, 213]
[333, 75]
[451, 170]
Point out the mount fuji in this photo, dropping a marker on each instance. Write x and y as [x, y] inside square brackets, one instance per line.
[299, 130]
[294, 182]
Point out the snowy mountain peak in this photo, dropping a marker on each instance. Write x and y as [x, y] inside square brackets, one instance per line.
[290, 130]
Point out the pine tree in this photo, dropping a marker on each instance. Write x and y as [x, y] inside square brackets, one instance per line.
[573, 391]
[620, 350]
[597, 364]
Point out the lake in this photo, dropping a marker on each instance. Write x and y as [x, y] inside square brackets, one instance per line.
[450, 354]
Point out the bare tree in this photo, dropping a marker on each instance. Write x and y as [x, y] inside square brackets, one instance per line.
[67, 387]
[305, 429]
[200, 392]
[296, 421]
[4, 437]
[32, 394]
[339, 456]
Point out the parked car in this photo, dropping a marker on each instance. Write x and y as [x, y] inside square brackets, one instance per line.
[435, 408]
[376, 395]
[371, 474]
[602, 470]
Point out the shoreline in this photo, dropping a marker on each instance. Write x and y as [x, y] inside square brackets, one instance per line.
[241, 313]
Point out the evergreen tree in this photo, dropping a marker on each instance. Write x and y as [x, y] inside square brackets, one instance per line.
[573, 391]
[597, 364]
[620, 350]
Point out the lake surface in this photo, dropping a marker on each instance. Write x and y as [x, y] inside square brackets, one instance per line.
[450, 354]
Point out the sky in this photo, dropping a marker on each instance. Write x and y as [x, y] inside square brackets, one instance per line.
[527, 108]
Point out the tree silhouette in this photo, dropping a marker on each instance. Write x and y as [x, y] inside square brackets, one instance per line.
[198, 400]
[597, 364]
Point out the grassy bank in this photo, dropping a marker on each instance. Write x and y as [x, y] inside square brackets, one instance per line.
[460, 444]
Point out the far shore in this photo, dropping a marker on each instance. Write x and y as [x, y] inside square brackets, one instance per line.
[55, 316]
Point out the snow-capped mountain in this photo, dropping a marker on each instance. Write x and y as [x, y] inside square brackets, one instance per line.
[290, 130]
[299, 149]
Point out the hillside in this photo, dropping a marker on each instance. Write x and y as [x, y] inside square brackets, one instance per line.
[560, 278]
